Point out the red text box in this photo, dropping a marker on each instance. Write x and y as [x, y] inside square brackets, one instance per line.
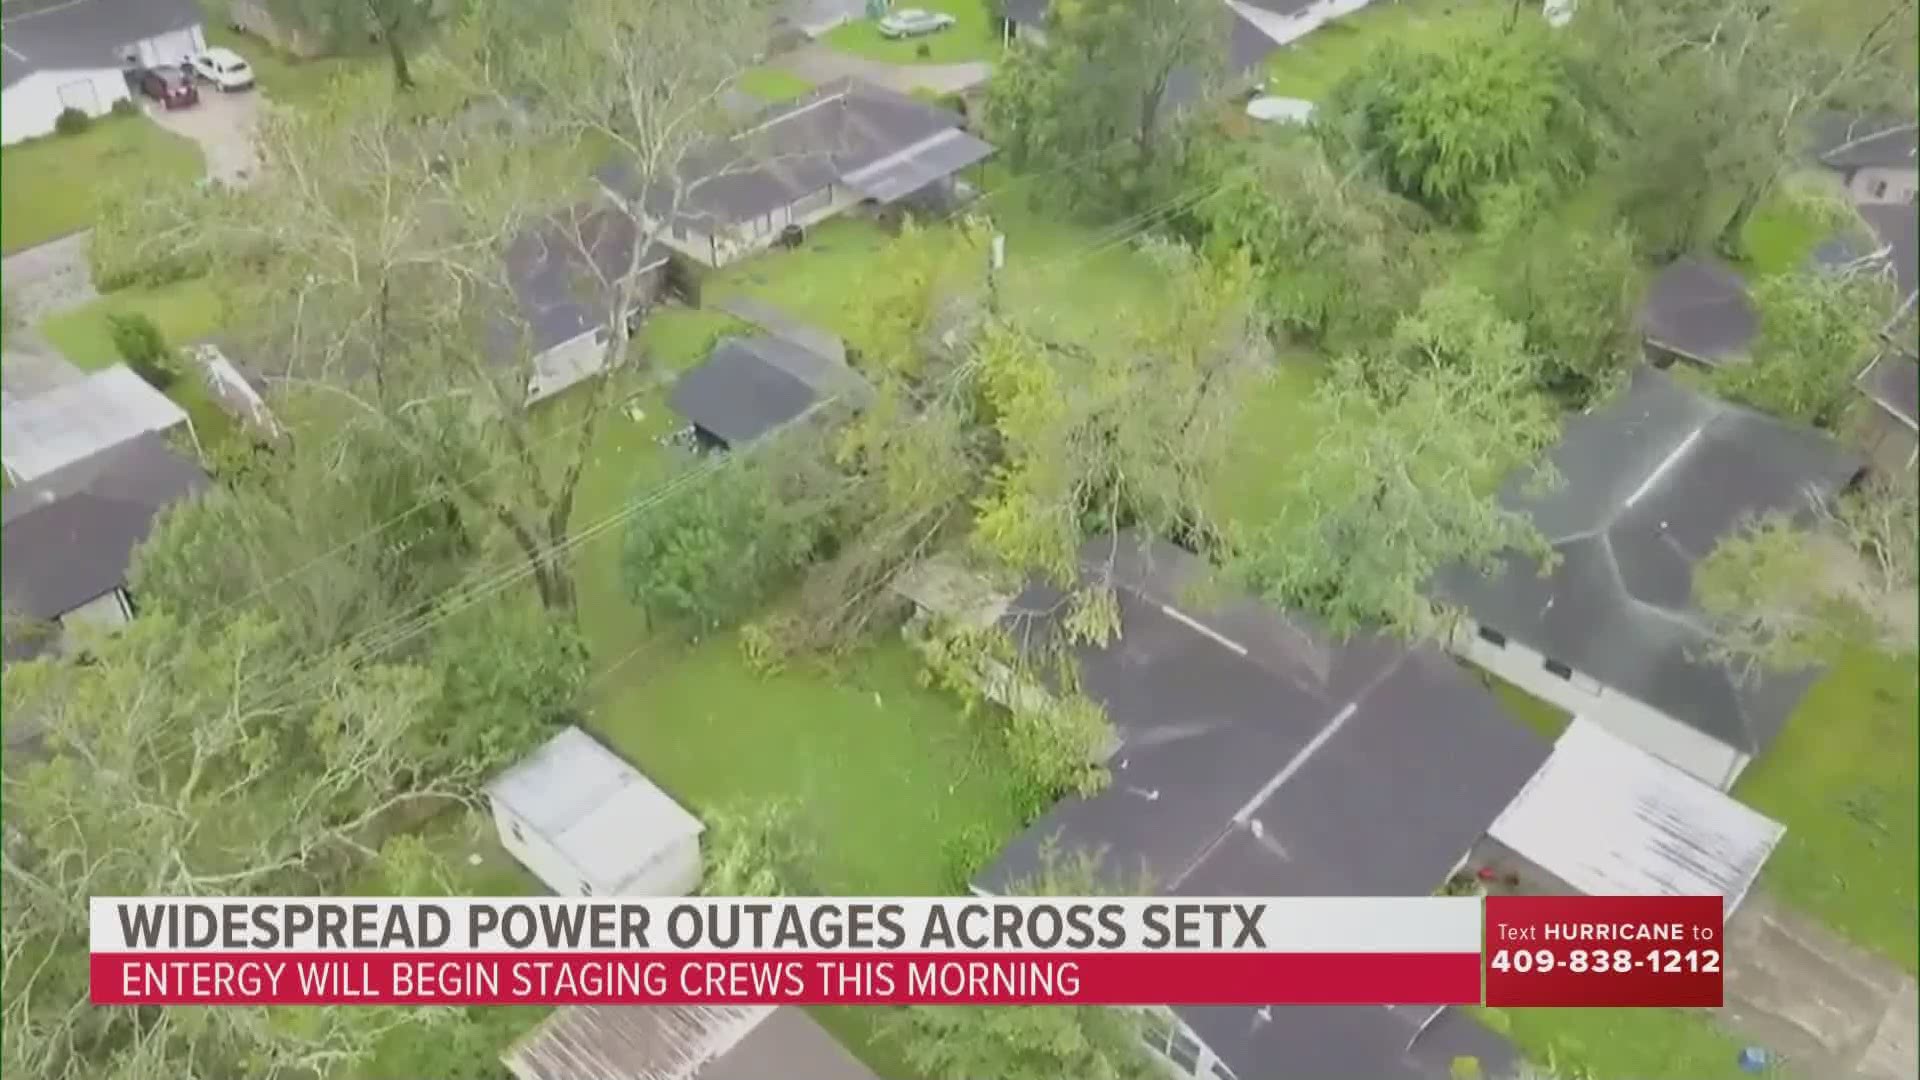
[1605, 951]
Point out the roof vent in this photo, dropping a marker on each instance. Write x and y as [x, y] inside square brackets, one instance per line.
[1263, 1015]
[1259, 830]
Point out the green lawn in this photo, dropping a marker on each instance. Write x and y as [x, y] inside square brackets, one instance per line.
[49, 186]
[1781, 235]
[1841, 778]
[185, 311]
[773, 84]
[676, 338]
[1543, 718]
[1310, 67]
[1274, 430]
[1621, 1044]
[972, 37]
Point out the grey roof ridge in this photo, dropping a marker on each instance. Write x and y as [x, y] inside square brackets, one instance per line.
[1894, 129]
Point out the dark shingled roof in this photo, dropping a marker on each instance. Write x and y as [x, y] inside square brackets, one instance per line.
[559, 268]
[680, 1042]
[1653, 482]
[1868, 142]
[1247, 46]
[1258, 758]
[1699, 310]
[1893, 382]
[1026, 12]
[792, 150]
[69, 535]
[67, 35]
[750, 386]
[1895, 225]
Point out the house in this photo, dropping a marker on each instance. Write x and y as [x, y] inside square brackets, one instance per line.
[845, 144]
[1875, 157]
[1253, 33]
[588, 824]
[69, 535]
[75, 54]
[1605, 818]
[680, 1042]
[1287, 21]
[1654, 481]
[1258, 758]
[71, 423]
[1891, 384]
[562, 273]
[1698, 310]
[750, 386]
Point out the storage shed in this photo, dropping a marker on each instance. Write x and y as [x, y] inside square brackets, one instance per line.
[1610, 819]
[588, 824]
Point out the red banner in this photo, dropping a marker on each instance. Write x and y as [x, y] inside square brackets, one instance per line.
[1604, 950]
[423, 978]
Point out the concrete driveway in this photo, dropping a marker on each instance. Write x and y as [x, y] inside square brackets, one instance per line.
[225, 126]
[818, 64]
[48, 278]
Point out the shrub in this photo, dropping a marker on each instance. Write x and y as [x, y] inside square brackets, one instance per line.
[968, 852]
[140, 343]
[71, 121]
[923, 50]
[125, 107]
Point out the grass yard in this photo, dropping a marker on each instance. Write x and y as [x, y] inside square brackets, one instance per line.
[676, 338]
[185, 311]
[1781, 235]
[49, 186]
[1543, 718]
[1275, 428]
[972, 37]
[813, 282]
[1621, 1044]
[772, 84]
[1310, 67]
[1841, 778]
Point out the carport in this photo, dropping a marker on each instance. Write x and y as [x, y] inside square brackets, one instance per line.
[74, 422]
[899, 175]
[1609, 819]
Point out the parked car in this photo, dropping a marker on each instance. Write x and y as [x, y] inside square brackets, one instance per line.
[172, 87]
[913, 22]
[223, 68]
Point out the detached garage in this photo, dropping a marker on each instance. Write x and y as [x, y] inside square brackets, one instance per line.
[74, 54]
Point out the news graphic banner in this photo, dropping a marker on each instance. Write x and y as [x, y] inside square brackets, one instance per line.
[1089, 951]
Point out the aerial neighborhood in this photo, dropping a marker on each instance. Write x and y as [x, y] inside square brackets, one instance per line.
[1245, 448]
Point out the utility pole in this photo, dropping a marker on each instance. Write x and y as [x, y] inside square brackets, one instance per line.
[996, 261]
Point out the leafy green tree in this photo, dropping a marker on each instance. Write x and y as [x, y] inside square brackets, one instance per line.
[1816, 332]
[181, 762]
[1417, 437]
[138, 341]
[398, 25]
[716, 547]
[1575, 295]
[1769, 600]
[1087, 1042]
[1339, 257]
[1447, 123]
[1101, 92]
[757, 849]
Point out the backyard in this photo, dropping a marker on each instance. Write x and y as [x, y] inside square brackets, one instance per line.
[1841, 778]
[973, 36]
[49, 186]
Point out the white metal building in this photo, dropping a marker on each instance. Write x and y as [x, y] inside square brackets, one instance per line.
[588, 824]
[73, 54]
[71, 423]
[1610, 819]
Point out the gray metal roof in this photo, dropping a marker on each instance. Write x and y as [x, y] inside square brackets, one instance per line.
[66, 35]
[1610, 819]
[1259, 758]
[560, 270]
[1347, 1042]
[750, 386]
[1652, 482]
[896, 176]
[792, 150]
[1027, 12]
[69, 536]
[1699, 309]
[680, 1042]
[592, 807]
[73, 422]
